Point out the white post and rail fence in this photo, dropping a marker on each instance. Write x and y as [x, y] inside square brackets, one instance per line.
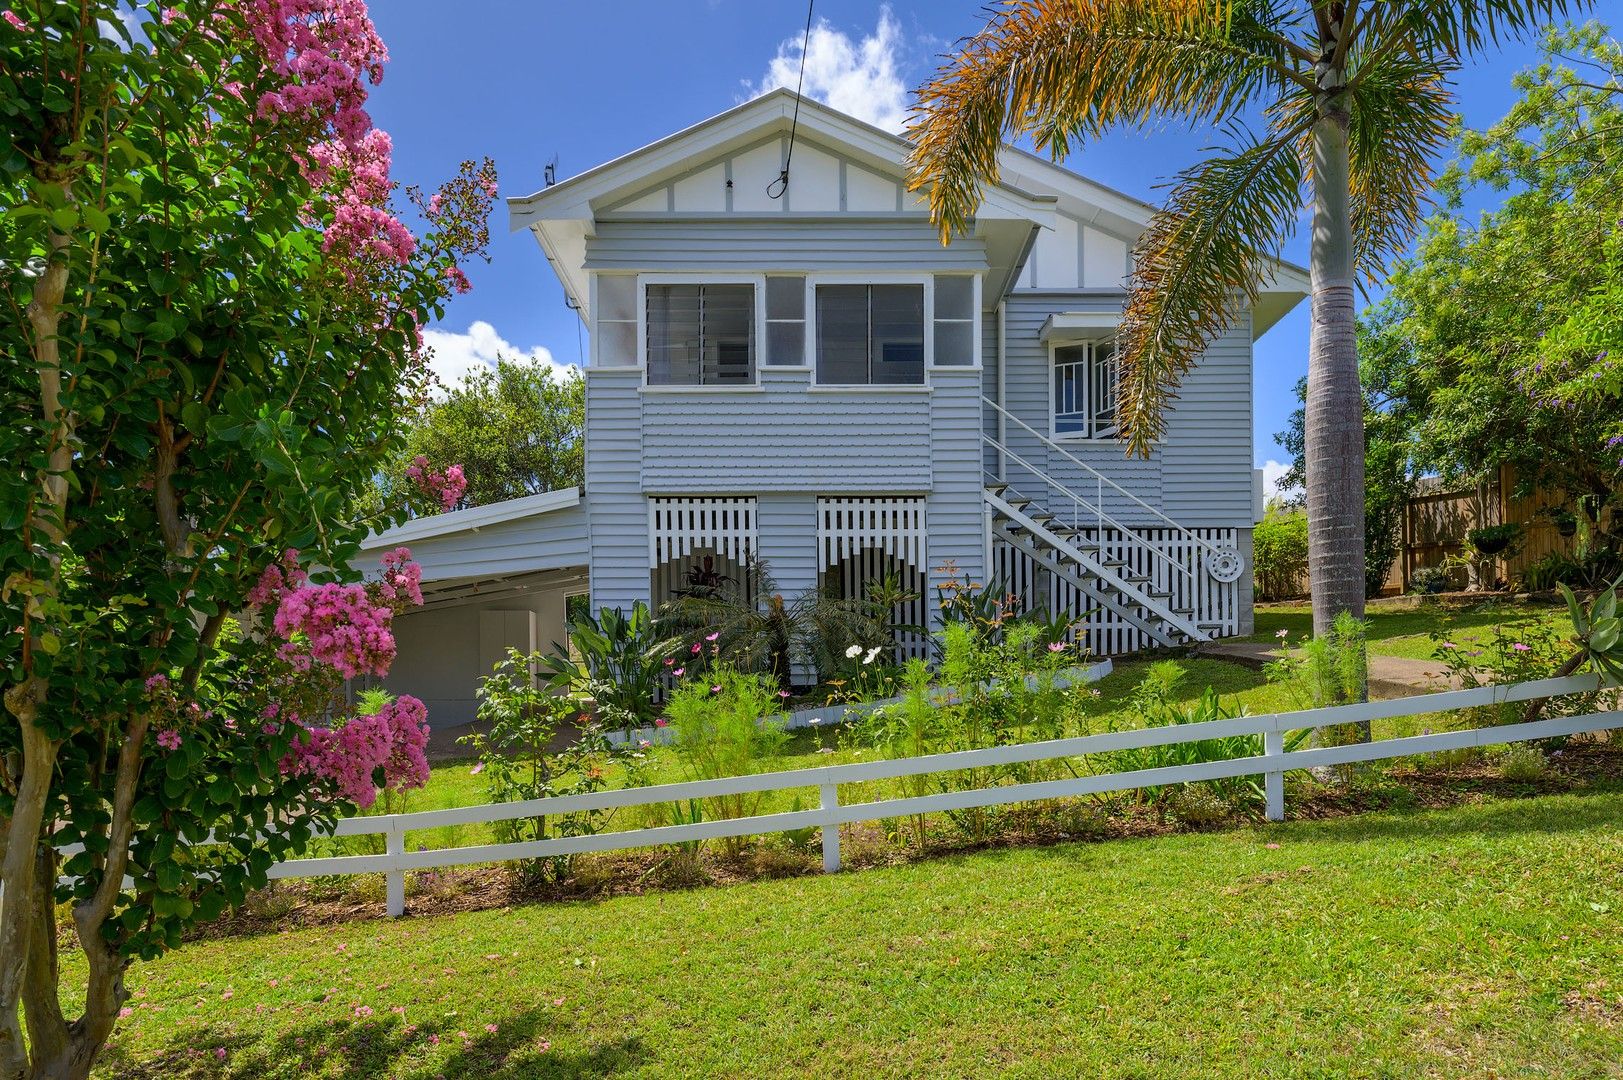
[1272, 764]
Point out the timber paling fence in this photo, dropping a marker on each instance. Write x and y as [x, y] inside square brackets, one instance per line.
[1272, 764]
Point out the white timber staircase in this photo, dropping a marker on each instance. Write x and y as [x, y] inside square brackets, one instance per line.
[1148, 579]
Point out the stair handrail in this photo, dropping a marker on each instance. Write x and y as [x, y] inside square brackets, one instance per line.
[1097, 511]
[1096, 474]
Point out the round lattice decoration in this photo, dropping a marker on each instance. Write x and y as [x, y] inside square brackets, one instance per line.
[1225, 565]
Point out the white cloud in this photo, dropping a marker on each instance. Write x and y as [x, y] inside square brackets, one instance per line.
[1272, 473]
[457, 354]
[855, 76]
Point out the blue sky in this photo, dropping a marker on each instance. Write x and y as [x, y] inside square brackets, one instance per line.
[523, 82]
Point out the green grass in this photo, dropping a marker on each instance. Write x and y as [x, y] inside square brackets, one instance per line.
[1486, 940]
[1407, 632]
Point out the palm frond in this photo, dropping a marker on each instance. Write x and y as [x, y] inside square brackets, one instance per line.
[1401, 111]
[1455, 28]
[1067, 69]
[1204, 254]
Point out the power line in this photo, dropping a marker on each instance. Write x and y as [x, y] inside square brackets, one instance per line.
[782, 182]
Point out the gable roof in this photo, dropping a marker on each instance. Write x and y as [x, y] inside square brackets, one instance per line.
[562, 216]
[1029, 192]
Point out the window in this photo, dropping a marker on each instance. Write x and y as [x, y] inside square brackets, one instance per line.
[954, 321]
[870, 334]
[785, 321]
[1085, 390]
[701, 335]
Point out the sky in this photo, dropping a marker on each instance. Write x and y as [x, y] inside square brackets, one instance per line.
[528, 82]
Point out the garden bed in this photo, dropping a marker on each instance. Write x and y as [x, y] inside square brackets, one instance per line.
[1415, 784]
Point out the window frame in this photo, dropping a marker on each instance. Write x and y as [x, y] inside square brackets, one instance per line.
[1090, 434]
[758, 330]
[926, 281]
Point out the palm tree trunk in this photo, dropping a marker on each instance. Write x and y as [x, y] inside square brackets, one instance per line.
[1335, 414]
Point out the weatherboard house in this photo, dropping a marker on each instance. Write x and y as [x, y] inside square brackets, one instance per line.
[805, 375]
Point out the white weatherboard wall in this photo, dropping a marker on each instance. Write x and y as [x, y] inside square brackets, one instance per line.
[1199, 474]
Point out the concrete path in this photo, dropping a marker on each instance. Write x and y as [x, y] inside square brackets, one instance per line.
[1389, 676]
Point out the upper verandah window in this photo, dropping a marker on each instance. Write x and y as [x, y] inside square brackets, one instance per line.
[847, 331]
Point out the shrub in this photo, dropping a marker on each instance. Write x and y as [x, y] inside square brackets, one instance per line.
[1522, 764]
[727, 725]
[621, 665]
[517, 762]
[1431, 580]
[1199, 807]
[1279, 553]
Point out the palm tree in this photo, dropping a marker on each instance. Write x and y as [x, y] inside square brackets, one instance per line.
[1356, 105]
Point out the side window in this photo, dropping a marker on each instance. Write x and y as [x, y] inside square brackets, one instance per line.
[701, 335]
[870, 334]
[785, 321]
[1085, 390]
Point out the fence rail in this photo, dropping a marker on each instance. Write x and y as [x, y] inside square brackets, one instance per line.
[1272, 764]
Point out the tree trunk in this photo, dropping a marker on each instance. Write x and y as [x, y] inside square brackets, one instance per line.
[1334, 430]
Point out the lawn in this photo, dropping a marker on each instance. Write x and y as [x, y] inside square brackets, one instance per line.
[1407, 631]
[1486, 940]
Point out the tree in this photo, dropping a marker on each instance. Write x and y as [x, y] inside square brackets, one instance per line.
[1356, 103]
[220, 312]
[516, 430]
[1513, 323]
[1390, 477]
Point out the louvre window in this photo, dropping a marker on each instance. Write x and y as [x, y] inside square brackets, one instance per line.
[870, 334]
[701, 335]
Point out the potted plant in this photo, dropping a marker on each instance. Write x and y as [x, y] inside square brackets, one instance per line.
[1492, 539]
[1566, 523]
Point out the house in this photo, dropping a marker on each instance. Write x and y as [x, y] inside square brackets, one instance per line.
[806, 375]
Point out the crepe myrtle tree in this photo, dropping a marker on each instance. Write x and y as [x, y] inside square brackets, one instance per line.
[208, 340]
[1354, 101]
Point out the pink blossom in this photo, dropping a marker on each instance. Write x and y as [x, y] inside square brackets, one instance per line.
[169, 739]
[447, 487]
[679, 672]
[11, 17]
[1519, 647]
[712, 637]
[696, 648]
[661, 722]
[157, 682]
[1057, 646]
[219, 1053]
[715, 689]
[341, 626]
[459, 280]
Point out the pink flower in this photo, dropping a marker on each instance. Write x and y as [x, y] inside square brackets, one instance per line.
[459, 281]
[712, 637]
[715, 689]
[491, 1028]
[1519, 647]
[696, 648]
[157, 682]
[219, 1053]
[11, 17]
[661, 722]
[783, 693]
[477, 769]
[169, 739]
[679, 672]
[1057, 646]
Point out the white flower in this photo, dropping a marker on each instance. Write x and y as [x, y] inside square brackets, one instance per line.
[873, 652]
[853, 652]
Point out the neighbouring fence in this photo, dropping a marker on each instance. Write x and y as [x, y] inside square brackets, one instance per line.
[1271, 764]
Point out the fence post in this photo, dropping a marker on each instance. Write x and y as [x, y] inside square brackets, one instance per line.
[831, 831]
[1273, 746]
[395, 879]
